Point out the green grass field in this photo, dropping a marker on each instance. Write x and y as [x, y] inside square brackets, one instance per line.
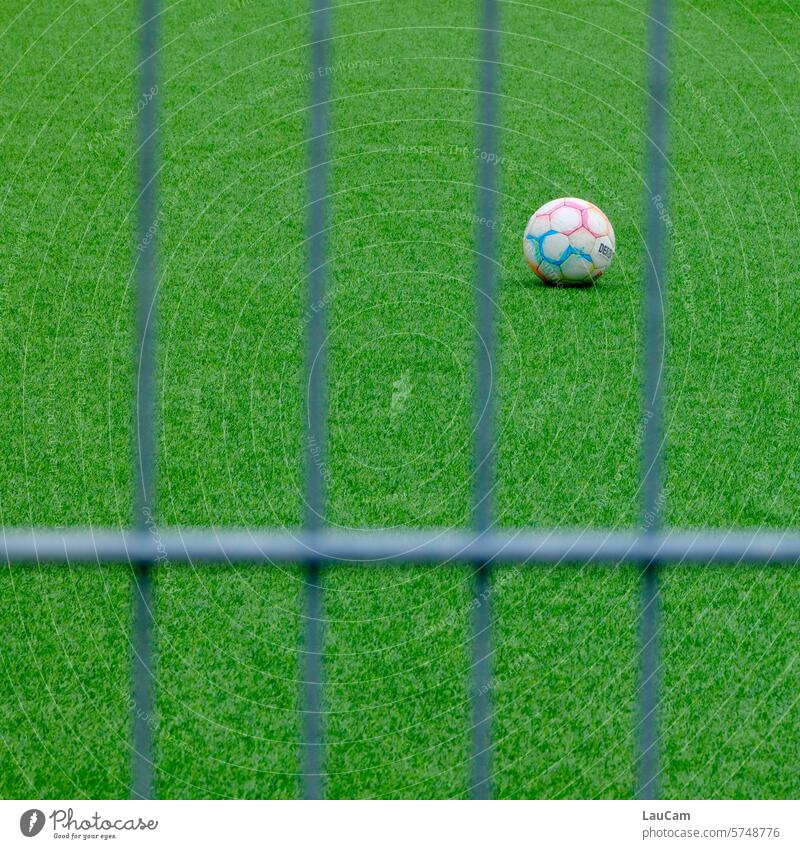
[233, 90]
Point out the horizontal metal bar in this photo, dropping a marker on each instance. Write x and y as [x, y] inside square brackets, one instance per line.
[162, 545]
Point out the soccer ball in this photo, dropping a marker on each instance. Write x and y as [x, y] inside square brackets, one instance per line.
[569, 241]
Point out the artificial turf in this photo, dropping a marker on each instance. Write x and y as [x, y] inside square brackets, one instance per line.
[233, 90]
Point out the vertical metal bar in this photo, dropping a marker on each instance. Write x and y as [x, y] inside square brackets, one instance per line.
[481, 700]
[143, 700]
[145, 442]
[654, 353]
[313, 642]
[316, 403]
[648, 742]
[485, 290]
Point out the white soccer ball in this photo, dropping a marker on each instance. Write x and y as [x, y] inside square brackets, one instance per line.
[569, 241]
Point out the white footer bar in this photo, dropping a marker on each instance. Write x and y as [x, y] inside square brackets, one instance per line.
[400, 825]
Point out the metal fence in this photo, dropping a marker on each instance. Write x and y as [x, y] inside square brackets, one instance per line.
[484, 546]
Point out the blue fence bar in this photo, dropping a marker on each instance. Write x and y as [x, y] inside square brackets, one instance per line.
[654, 362]
[143, 702]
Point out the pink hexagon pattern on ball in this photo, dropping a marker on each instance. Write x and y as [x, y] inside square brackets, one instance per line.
[549, 207]
[565, 219]
[576, 203]
[595, 221]
[571, 229]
